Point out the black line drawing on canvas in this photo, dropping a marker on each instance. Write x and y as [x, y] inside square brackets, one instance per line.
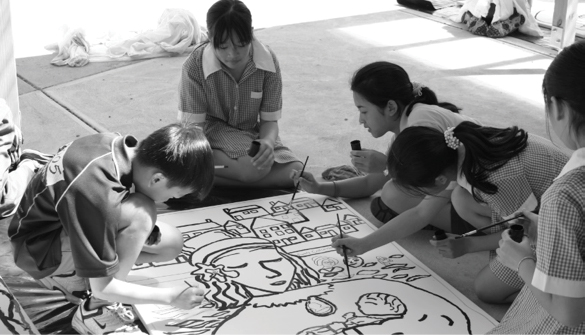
[265, 260]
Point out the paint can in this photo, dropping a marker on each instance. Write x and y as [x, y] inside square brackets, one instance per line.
[440, 235]
[516, 232]
[254, 148]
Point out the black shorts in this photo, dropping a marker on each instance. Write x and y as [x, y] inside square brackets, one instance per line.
[384, 214]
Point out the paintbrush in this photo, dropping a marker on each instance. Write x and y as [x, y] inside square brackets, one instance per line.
[490, 226]
[344, 248]
[297, 186]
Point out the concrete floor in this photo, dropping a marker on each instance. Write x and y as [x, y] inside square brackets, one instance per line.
[496, 81]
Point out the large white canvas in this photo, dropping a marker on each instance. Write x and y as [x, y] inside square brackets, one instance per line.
[269, 269]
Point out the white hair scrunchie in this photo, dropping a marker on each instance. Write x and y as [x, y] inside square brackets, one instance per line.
[452, 141]
[417, 88]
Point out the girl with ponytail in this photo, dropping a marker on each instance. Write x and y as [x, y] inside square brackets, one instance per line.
[553, 299]
[505, 169]
[388, 101]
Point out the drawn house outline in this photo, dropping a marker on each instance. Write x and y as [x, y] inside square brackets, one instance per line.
[300, 241]
[347, 226]
[332, 204]
[279, 232]
[188, 231]
[278, 206]
[235, 228]
[304, 203]
[246, 212]
[309, 233]
[193, 229]
[353, 219]
[327, 230]
[292, 217]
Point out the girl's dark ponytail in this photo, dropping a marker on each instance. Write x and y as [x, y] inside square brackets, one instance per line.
[429, 97]
[419, 155]
[487, 149]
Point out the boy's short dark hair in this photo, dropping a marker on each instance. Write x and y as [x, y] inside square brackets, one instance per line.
[183, 154]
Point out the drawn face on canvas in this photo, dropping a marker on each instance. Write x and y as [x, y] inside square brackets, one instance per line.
[260, 268]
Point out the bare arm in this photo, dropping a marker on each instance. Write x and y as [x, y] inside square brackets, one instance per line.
[269, 131]
[267, 137]
[409, 222]
[357, 187]
[111, 289]
[567, 310]
[405, 224]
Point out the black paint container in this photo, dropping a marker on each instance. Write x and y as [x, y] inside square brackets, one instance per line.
[254, 148]
[440, 235]
[516, 232]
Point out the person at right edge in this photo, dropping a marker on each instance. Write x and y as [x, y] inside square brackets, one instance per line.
[553, 299]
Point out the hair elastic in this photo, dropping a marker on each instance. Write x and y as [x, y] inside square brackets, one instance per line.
[452, 141]
[417, 88]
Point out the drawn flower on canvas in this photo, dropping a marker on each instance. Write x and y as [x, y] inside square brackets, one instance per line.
[215, 272]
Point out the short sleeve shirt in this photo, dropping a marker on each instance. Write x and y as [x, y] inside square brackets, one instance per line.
[523, 179]
[433, 117]
[436, 117]
[561, 233]
[79, 192]
[560, 250]
[232, 110]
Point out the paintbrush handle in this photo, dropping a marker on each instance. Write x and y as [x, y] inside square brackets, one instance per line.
[490, 226]
[299, 183]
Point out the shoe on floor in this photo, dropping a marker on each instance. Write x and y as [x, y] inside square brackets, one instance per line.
[73, 287]
[104, 320]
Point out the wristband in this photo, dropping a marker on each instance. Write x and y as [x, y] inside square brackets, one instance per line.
[522, 260]
[335, 190]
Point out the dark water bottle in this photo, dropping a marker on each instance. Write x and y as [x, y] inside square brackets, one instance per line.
[254, 148]
[440, 235]
[516, 232]
[356, 145]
